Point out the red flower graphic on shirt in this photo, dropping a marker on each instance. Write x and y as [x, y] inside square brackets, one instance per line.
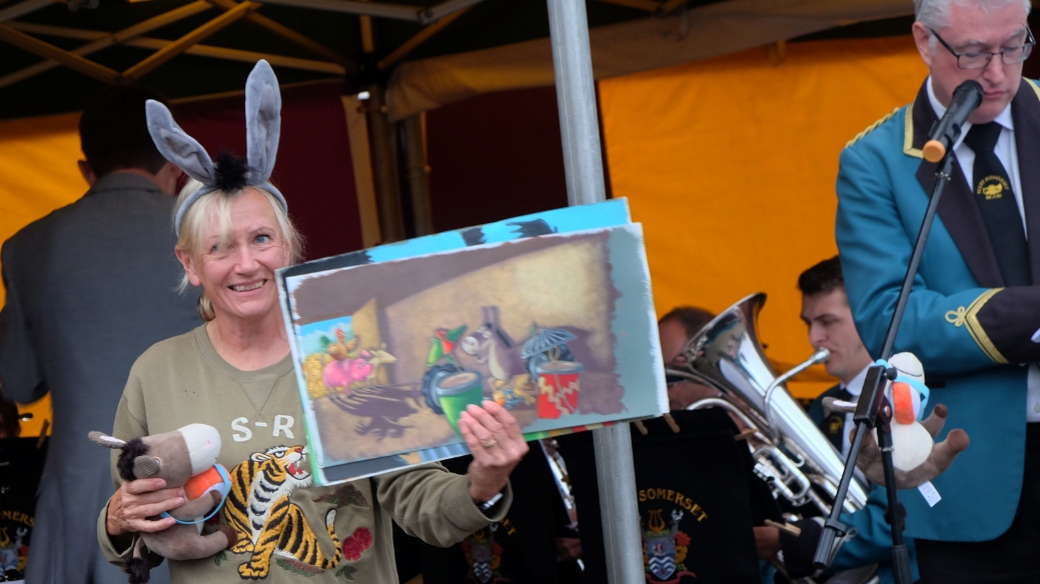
[356, 544]
[364, 536]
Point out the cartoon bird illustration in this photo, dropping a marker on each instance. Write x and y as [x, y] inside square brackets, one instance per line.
[442, 344]
[342, 349]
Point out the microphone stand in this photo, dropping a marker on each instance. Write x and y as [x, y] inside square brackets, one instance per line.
[873, 411]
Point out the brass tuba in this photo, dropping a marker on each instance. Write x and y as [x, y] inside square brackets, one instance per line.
[790, 452]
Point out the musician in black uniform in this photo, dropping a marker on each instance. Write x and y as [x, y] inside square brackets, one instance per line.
[826, 313]
[675, 328]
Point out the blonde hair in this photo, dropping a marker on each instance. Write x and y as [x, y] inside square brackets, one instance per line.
[193, 229]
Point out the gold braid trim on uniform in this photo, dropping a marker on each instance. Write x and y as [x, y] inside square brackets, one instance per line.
[871, 128]
[1035, 87]
[908, 135]
[969, 316]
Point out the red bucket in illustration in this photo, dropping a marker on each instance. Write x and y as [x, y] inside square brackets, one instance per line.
[558, 385]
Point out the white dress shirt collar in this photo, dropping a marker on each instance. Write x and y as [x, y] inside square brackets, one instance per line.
[856, 385]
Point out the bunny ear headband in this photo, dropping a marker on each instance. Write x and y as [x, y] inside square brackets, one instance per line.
[263, 124]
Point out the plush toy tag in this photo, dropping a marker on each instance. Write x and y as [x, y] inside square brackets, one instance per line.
[931, 496]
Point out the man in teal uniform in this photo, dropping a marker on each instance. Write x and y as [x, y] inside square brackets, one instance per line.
[975, 303]
[826, 313]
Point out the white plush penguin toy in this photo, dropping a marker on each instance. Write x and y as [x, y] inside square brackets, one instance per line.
[916, 456]
[908, 395]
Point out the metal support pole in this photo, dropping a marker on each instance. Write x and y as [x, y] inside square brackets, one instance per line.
[583, 165]
[617, 504]
[417, 172]
[576, 94]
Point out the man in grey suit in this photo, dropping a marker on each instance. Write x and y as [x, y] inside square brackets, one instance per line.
[89, 288]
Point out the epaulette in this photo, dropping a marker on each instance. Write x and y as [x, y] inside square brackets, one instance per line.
[872, 127]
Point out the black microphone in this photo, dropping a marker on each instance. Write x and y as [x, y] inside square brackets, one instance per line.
[966, 99]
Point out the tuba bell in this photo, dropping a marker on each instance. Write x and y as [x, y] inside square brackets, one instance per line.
[790, 452]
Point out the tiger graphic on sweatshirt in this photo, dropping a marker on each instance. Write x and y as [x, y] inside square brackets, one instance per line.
[267, 522]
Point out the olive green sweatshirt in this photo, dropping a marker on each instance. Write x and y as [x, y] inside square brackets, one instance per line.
[286, 528]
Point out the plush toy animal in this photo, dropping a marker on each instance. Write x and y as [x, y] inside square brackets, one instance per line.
[183, 458]
[916, 457]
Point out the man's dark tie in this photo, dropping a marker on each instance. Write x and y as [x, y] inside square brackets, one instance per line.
[833, 426]
[997, 205]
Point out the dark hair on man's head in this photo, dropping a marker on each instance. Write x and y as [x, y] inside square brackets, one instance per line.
[114, 134]
[692, 318]
[823, 278]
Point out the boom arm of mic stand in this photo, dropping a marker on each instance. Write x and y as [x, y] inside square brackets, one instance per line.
[870, 401]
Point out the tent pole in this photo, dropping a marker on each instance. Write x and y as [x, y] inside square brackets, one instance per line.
[583, 165]
[381, 139]
[417, 172]
[384, 163]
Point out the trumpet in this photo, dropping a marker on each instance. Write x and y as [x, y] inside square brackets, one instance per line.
[791, 454]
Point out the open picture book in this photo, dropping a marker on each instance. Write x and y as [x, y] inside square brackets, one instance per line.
[551, 315]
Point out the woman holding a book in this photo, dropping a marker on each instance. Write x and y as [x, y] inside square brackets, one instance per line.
[235, 373]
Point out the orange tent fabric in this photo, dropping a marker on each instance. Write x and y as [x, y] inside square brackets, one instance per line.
[38, 162]
[730, 164]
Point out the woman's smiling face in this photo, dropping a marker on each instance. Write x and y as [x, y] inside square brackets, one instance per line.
[237, 272]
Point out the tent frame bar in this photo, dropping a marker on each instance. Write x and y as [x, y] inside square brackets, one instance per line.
[49, 51]
[182, 44]
[337, 64]
[101, 42]
[380, 9]
[290, 35]
[156, 44]
[421, 37]
[23, 8]
[444, 9]
[436, 18]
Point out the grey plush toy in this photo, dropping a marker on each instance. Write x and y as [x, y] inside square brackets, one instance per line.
[183, 458]
[263, 127]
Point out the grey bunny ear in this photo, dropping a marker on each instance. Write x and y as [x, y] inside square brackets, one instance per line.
[177, 146]
[263, 120]
[105, 440]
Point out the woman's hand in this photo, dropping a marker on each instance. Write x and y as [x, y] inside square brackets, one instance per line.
[136, 501]
[494, 437]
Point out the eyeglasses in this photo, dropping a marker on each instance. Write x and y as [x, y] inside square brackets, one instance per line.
[980, 59]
